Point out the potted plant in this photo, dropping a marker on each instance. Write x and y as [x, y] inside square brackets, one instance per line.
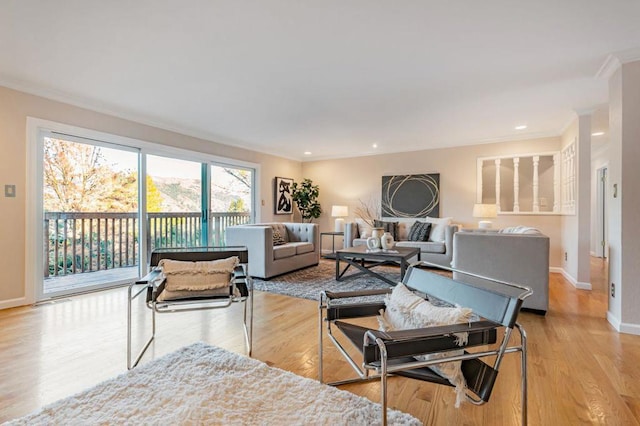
[305, 195]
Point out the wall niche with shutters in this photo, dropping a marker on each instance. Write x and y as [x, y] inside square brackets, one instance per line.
[540, 183]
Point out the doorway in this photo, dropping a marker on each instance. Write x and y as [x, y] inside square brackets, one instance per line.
[90, 211]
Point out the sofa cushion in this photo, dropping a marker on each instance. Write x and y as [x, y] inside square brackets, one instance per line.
[359, 242]
[425, 246]
[302, 248]
[364, 229]
[403, 230]
[282, 229]
[286, 250]
[438, 227]
[391, 227]
[278, 239]
[419, 231]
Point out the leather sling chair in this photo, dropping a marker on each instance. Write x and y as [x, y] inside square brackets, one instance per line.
[495, 306]
[239, 289]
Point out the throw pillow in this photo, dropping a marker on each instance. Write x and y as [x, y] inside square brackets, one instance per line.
[406, 310]
[520, 230]
[390, 227]
[419, 231]
[364, 229]
[198, 276]
[278, 239]
[438, 227]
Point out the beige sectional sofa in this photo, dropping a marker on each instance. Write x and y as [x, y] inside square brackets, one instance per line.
[438, 248]
[300, 246]
[517, 256]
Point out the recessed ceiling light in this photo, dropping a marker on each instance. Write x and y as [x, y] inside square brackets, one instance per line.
[521, 127]
[307, 153]
[375, 145]
[597, 133]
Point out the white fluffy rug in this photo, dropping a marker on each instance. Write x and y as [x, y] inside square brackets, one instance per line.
[201, 384]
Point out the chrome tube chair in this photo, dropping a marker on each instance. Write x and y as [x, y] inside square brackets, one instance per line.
[495, 306]
[152, 285]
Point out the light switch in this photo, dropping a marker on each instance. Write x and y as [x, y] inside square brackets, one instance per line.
[10, 191]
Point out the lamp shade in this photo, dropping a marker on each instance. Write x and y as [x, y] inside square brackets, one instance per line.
[485, 210]
[339, 211]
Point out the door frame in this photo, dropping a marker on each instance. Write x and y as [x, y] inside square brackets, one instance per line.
[602, 243]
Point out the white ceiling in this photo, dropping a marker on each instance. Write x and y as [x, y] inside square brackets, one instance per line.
[328, 76]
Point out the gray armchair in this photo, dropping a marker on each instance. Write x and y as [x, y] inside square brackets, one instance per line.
[301, 247]
[518, 258]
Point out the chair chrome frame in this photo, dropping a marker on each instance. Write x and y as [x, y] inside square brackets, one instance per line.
[152, 284]
[386, 353]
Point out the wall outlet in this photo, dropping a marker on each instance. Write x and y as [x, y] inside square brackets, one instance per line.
[613, 290]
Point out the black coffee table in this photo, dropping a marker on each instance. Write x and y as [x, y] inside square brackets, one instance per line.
[364, 259]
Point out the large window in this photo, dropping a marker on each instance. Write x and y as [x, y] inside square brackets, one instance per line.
[231, 199]
[103, 202]
[174, 202]
[90, 210]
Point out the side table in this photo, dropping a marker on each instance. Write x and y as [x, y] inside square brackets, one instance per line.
[332, 254]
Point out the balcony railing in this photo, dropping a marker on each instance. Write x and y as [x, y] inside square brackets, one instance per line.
[86, 242]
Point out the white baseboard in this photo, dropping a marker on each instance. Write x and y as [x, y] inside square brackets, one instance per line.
[577, 284]
[623, 327]
[12, 303]
[614, 321]
[583, 286]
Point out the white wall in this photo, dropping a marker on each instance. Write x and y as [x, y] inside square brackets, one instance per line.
[576, 240]
[624, 220]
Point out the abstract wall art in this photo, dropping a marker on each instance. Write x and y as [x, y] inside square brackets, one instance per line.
[411, 195]
[283, 202]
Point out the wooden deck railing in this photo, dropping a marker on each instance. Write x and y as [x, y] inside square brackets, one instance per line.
[85, 242]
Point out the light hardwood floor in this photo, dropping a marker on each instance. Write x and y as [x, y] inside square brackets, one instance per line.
[580, 370]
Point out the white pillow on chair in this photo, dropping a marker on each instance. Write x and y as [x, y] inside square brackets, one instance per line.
[405, 310]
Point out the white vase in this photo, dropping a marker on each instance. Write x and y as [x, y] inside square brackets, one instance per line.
[386, 241]
[376, 234]
[373, 243]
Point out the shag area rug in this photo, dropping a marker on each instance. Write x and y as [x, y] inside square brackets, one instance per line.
[309, 282]
[205, 385]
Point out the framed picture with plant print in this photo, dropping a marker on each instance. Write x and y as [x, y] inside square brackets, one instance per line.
[283, 202]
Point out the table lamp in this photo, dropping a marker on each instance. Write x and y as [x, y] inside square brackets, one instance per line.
[485, 211]
[339, 212]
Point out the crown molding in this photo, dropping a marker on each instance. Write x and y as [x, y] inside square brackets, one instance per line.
[90, 105]
[616, 60]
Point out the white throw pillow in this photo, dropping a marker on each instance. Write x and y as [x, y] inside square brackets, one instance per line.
[364, 229]
[438, 227]
[520, 230]
[406, 310]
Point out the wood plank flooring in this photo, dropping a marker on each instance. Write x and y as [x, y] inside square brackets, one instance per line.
[580, 370]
